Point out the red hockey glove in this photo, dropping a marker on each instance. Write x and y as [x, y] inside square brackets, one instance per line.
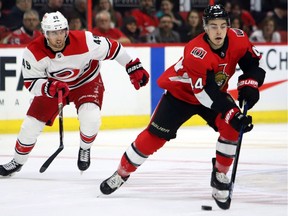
[138, 75]
[237, 120]
[248, 91]
[51, 88]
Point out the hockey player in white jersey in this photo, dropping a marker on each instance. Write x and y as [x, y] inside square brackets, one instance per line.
[69, 61]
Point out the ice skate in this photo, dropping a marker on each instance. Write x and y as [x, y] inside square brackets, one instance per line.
[111, 184]
[220, 184]
[83, 159]
[10, 168]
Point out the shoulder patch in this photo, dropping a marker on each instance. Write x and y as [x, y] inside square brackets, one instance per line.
[198, 52]
[238, 32]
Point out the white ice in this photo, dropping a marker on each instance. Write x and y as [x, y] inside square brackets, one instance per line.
[175, 181]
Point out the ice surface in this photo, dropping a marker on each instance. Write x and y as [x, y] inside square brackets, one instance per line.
[175, 181]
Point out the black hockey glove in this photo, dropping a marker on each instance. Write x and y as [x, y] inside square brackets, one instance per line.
[237, 120]
[248, 91]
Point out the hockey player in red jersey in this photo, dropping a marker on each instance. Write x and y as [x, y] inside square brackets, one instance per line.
[69, 61]
[197, 85]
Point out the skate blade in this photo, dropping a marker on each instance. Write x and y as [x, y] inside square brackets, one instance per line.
[99, 195]
[222, 198]
[225, 205]
[8, 176]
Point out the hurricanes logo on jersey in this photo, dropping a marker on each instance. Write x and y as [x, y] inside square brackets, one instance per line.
[198, 52]
[221, 77]
[65, 75]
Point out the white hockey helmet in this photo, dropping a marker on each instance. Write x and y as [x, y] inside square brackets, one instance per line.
[53, 21]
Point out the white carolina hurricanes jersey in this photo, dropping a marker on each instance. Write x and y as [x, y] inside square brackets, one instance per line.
[78, 63]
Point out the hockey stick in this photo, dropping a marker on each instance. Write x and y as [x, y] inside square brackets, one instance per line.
[235, 164]
[61, 146]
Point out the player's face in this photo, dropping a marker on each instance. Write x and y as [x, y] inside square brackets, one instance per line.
[57, 39]
[216, 30]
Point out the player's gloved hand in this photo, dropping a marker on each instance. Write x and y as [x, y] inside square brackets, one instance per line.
[248, 91]
[138, 75]
[237, 120]
[51, 88]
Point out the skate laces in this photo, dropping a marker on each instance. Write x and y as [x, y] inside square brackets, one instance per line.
[11, 165]
[221, 177]
[84, 154]
[115, 181]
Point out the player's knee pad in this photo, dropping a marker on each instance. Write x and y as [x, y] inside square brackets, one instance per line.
[148, 143]
[90, 118]
[30, 130]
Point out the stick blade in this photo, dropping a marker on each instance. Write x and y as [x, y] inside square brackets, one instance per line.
[50, 159]
[42, 169]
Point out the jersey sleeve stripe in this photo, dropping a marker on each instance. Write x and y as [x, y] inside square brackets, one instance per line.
[114, 48]
[116, 53]
[30, 82]
[109, 47]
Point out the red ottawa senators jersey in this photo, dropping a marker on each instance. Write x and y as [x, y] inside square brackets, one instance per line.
[188, 76]
[78, 63]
